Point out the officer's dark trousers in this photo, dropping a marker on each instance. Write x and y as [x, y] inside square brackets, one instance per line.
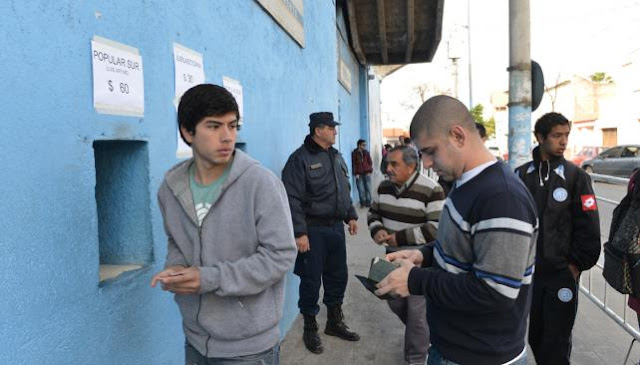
[553, 311]
[325, 263]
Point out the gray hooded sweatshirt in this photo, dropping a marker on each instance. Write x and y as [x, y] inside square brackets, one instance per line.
[243, 250]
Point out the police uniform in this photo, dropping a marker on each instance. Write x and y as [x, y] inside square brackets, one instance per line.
[317, 184]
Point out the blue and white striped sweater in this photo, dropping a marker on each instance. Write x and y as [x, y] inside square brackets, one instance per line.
[494, 235]
[483, 265]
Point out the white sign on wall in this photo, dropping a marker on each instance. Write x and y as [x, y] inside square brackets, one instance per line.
[289, 14]
[118, 82]
[235, 89]
[189, 72]
[344, 76]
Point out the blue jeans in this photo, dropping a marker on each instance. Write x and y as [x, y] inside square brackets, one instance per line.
[436, 358]
[268, 357]
[363, 183]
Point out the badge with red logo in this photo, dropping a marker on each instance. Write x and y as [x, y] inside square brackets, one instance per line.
[589, 203]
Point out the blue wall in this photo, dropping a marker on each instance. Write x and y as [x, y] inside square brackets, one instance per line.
[53, 309]
[351, 111]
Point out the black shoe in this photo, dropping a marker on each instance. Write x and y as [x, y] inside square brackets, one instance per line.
[336, 326]
[310, 335]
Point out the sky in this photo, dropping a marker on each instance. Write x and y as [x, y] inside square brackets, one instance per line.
[567, 37]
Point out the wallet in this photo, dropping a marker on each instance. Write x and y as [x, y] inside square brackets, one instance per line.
[379, 269]
[371, 286]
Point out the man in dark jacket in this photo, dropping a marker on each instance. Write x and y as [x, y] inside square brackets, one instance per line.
[569, 240]
[317, 184]
[362, 167]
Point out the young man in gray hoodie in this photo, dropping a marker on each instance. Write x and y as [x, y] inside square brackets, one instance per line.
[230, 238]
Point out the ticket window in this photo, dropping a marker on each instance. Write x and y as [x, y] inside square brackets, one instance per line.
[123, 206]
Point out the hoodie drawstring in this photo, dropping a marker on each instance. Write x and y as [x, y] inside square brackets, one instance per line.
[540, 172]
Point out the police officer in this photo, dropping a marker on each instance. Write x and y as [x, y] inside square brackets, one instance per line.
[316, 180]
[568, 243]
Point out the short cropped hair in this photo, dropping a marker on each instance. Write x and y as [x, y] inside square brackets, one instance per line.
[545, 124]
[360, 141]
[205, 100]
[312, 129]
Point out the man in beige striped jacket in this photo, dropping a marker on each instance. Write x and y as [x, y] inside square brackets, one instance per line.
[404, 214]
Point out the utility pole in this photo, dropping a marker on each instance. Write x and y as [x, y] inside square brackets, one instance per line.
[469, 51]
[454, 51]
[455, 77]
[519, 83]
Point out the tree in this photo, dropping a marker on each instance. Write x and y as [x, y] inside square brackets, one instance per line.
[553, 96]
[490, 124]
[420, 93]
[601, 78]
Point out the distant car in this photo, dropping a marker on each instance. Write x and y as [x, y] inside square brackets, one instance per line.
[586, 153]
[616, 161]
[496, 152]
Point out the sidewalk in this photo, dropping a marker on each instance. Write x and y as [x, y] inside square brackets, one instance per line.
[381, 332]
[597, 339]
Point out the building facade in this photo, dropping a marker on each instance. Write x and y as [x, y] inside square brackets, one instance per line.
[80, 175]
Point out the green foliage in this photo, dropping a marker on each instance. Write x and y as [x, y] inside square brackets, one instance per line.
[476, 113]
[490, 124]
[601, 78]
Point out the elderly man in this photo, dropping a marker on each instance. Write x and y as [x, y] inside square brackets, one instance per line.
[405, 212]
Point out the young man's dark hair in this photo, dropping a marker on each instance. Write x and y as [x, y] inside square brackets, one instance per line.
[482, 130]
[360, 141]
[407, 140]
[203, 101]
[545, 124]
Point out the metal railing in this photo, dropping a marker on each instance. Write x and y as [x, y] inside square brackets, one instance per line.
[609, 179]
[608, 291]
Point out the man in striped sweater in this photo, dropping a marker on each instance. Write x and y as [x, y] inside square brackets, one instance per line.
[405, 214]
[477, 276]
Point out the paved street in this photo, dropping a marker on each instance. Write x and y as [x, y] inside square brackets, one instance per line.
[597, 339]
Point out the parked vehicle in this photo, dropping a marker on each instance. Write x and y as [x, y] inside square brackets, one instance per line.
[586, 153]
[496, 152]
[616, 161]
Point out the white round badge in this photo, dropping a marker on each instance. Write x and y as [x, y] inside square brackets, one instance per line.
[565, 295]
[560, 194]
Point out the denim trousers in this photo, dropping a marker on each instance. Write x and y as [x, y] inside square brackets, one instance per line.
[268, 357]
[363, 183]
[436, 358]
